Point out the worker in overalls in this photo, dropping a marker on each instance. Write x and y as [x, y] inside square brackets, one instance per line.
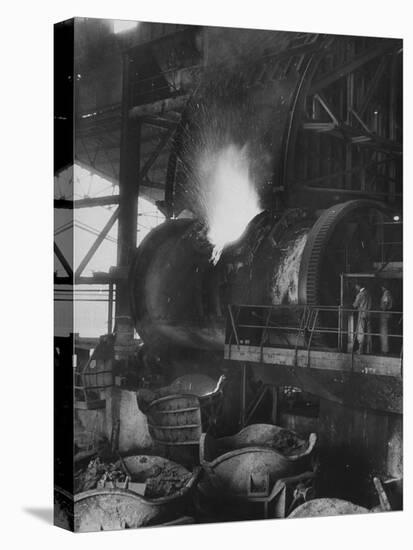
[386, 304]
[363, 332]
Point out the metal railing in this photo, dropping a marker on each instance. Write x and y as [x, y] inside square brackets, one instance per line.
[332, 328]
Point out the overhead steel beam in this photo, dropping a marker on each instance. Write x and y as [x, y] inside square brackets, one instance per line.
[341, 173]
[114, 199]
[351, 66]
[319, 126]
[115, 275]
[373, 85]
[87, 202]
[61, 281]
[99, 112]
[356, 137]
[341, 191]
[158, 107]
[160, 122]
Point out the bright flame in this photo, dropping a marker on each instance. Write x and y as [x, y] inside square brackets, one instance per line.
[228, 195]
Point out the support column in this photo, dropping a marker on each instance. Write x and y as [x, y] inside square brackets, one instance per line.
[128, 208]
[274, 408]
[243, 411]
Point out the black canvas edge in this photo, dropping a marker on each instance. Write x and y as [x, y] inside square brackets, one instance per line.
[63, 126]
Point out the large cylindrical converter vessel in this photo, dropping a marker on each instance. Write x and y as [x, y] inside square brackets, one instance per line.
[180, 299]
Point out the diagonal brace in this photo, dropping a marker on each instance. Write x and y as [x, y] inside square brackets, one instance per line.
[62, 259]
[102, 235]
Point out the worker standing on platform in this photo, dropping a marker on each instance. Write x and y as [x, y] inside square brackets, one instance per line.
[386, 304]
[363, 304]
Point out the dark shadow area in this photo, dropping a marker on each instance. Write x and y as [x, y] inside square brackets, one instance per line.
[44, 514]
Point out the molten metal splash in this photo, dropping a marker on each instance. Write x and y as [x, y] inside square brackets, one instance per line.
[228, 195]
[285, 280]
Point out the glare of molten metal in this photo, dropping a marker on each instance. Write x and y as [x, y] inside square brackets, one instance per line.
[228, 194]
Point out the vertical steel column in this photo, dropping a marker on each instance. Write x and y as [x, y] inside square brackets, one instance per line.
[129, 167]
[128, 190]
[341, 329]
[110, 309]
[348, 115]
[274, 408]
[243, 412]
[392, 174]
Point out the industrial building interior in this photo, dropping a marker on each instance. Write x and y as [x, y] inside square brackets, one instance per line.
[224, 196]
